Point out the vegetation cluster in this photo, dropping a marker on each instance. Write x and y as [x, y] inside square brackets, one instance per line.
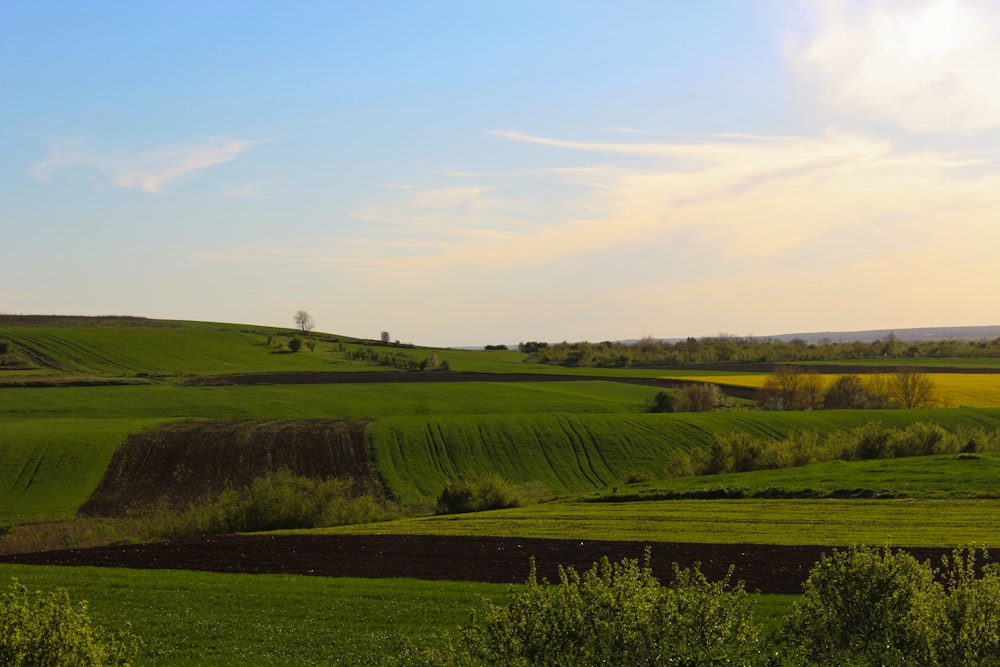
[794, 388]
[45, 629]
[398, 360]
[861, 606]
[487, 492]
[739, 451]
[735, 349]
[277, 500]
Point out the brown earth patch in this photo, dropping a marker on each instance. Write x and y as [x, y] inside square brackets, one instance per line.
[763, 568]
[179, 463]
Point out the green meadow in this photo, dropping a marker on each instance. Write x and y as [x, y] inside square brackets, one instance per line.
[71, 393]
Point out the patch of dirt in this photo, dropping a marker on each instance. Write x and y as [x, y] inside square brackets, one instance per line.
[182, 462]
[763, 568]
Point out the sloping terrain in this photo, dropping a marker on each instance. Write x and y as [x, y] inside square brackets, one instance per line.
[181, 462]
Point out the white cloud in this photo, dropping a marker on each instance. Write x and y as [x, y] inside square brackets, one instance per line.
[246, 191]
[930, 66]
[736, 199]
[150, 171]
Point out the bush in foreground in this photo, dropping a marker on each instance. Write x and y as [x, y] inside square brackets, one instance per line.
[867, 606]
[613, 614]
[46, 629]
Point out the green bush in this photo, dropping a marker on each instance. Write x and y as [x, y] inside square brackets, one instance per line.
[476, 494]
[867, 606]
[276, 501]
[295, 344]
[972, 607]
[614, 614]
[46, 629]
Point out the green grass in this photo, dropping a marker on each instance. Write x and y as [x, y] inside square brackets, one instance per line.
[48, 467]
[820, 522]
[199, 618]
[573, 453]
[945, 476]
[327, 401]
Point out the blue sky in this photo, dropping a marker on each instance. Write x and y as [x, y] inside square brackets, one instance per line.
[463, 173]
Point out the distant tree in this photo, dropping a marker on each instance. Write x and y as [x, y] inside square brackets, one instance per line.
[912, 389]
[295, 344]
[664, 401]
[847, 392]
[4, 346]
[701, 397]
[304, 321]
[385, 337]
[792, 388]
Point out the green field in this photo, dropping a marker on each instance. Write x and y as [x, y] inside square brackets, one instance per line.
[823, 522]
[198, 618]
[591, 444]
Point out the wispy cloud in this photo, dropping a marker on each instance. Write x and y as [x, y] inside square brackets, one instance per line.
[151, 170]
[927, 66]
[740, 199]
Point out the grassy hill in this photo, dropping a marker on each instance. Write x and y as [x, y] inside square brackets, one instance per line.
[571, 437]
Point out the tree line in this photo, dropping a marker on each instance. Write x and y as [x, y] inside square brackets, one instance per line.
[733, 349]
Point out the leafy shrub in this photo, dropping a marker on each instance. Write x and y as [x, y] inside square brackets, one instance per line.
[972, 608]
[46, 629]
[664, 401]
[699, 397]
[295, 344]
[867, 606]
[491, 492]
[279, 500]
[614, 614]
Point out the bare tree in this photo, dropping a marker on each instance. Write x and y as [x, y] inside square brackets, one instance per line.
[912, 389]
[792, 388]
[385, 337]
[304, 321]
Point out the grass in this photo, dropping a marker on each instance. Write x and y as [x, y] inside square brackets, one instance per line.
[830, 522]
[199, 618]
[572, 437]
[48, 467]
[574, 453]
[321, 401]
[946, 476]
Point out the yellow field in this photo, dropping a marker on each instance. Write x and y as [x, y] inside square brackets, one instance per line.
[953, 389]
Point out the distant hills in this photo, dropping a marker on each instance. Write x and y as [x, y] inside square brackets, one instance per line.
[916, 334]
[867, 336]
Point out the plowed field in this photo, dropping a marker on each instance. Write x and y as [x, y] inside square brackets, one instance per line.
[764, 568]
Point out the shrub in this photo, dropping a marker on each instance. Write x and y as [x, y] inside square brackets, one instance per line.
[614, 614]
[275, 501]
[476, 494]
[698, 397]
[972, 608]
[664, 401]
[46, 629]
[295, 344]
[867, 606]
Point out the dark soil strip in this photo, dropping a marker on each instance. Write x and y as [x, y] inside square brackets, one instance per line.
[764, 568]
